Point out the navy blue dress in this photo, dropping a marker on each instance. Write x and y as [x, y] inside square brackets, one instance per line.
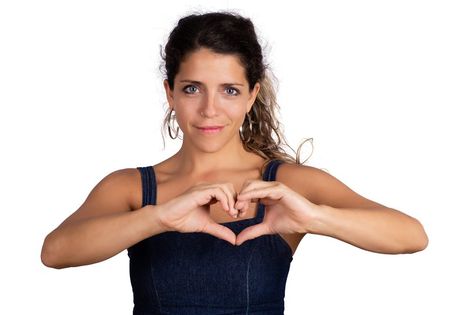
[197, 273]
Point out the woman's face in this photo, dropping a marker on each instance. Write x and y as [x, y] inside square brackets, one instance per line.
[211, 97]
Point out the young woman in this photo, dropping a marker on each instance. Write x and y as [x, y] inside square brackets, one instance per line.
[213, 229]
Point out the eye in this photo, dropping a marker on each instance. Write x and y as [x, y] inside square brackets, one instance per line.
[232, 91]
[190, 89]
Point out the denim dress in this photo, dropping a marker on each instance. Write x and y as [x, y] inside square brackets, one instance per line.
[198, 273]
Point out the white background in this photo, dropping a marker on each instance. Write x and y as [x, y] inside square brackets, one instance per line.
[382, 87]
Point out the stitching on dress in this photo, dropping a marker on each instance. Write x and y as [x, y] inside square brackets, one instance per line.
[247, 281]
[153, 280]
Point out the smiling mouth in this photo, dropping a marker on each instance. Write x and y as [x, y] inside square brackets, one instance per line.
[210, 129]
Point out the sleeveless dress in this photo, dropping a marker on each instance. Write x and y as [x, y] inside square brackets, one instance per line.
[197, 273]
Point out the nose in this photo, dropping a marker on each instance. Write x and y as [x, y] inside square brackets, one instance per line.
[209, 106]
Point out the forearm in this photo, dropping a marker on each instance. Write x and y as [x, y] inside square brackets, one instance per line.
[99, 238]
[381, 230]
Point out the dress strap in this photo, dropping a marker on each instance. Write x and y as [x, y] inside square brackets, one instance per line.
[269, 176]
[271, 169]
[148, 185]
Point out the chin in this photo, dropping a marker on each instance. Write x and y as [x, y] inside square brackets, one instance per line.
[210, 144]
[209, 148]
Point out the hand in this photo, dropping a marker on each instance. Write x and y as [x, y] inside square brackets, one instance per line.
[189, 212]
[286, 210]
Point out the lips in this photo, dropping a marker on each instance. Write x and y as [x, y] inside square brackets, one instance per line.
[210, 129]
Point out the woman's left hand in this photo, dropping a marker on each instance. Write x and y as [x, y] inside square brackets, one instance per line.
[286, 210]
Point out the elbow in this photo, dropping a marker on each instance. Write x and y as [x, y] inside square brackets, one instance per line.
[420, 244]
[408, 239]
[417, 239]
[415, 246]
[50, 253]
[424, 241]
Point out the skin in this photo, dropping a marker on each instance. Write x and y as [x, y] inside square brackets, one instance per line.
[212, 180]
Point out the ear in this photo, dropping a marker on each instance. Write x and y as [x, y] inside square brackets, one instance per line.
[253, 95]
[169, 93]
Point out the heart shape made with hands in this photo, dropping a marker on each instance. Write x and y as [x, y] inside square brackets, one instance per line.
[286, 211]
[241, 207]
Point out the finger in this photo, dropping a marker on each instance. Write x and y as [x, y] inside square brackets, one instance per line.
[242, 206]
[252, 232]
[220, 195]
[230, 192]
[221, 232]
[245, 209]
[251, 184]
[271, 192]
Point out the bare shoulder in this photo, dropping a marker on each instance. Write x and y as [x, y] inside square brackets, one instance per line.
[120, 179]
[113, 193]
[123, 182]
[300, 177]
[321, 188]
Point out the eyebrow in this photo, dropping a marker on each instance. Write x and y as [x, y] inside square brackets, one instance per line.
[200, 83]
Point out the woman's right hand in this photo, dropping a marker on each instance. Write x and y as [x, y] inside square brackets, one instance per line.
[190, 211]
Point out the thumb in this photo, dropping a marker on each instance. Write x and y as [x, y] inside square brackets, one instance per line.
[252, 232]
[221, 232]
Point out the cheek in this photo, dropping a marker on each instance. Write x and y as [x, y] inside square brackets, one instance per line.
[236, 111]
[184, 114]
[234, 115]
[183, 117]
[185, 109]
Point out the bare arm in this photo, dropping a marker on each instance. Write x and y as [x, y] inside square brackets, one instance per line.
[381, 229]
[341, 213]
[103, 226]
